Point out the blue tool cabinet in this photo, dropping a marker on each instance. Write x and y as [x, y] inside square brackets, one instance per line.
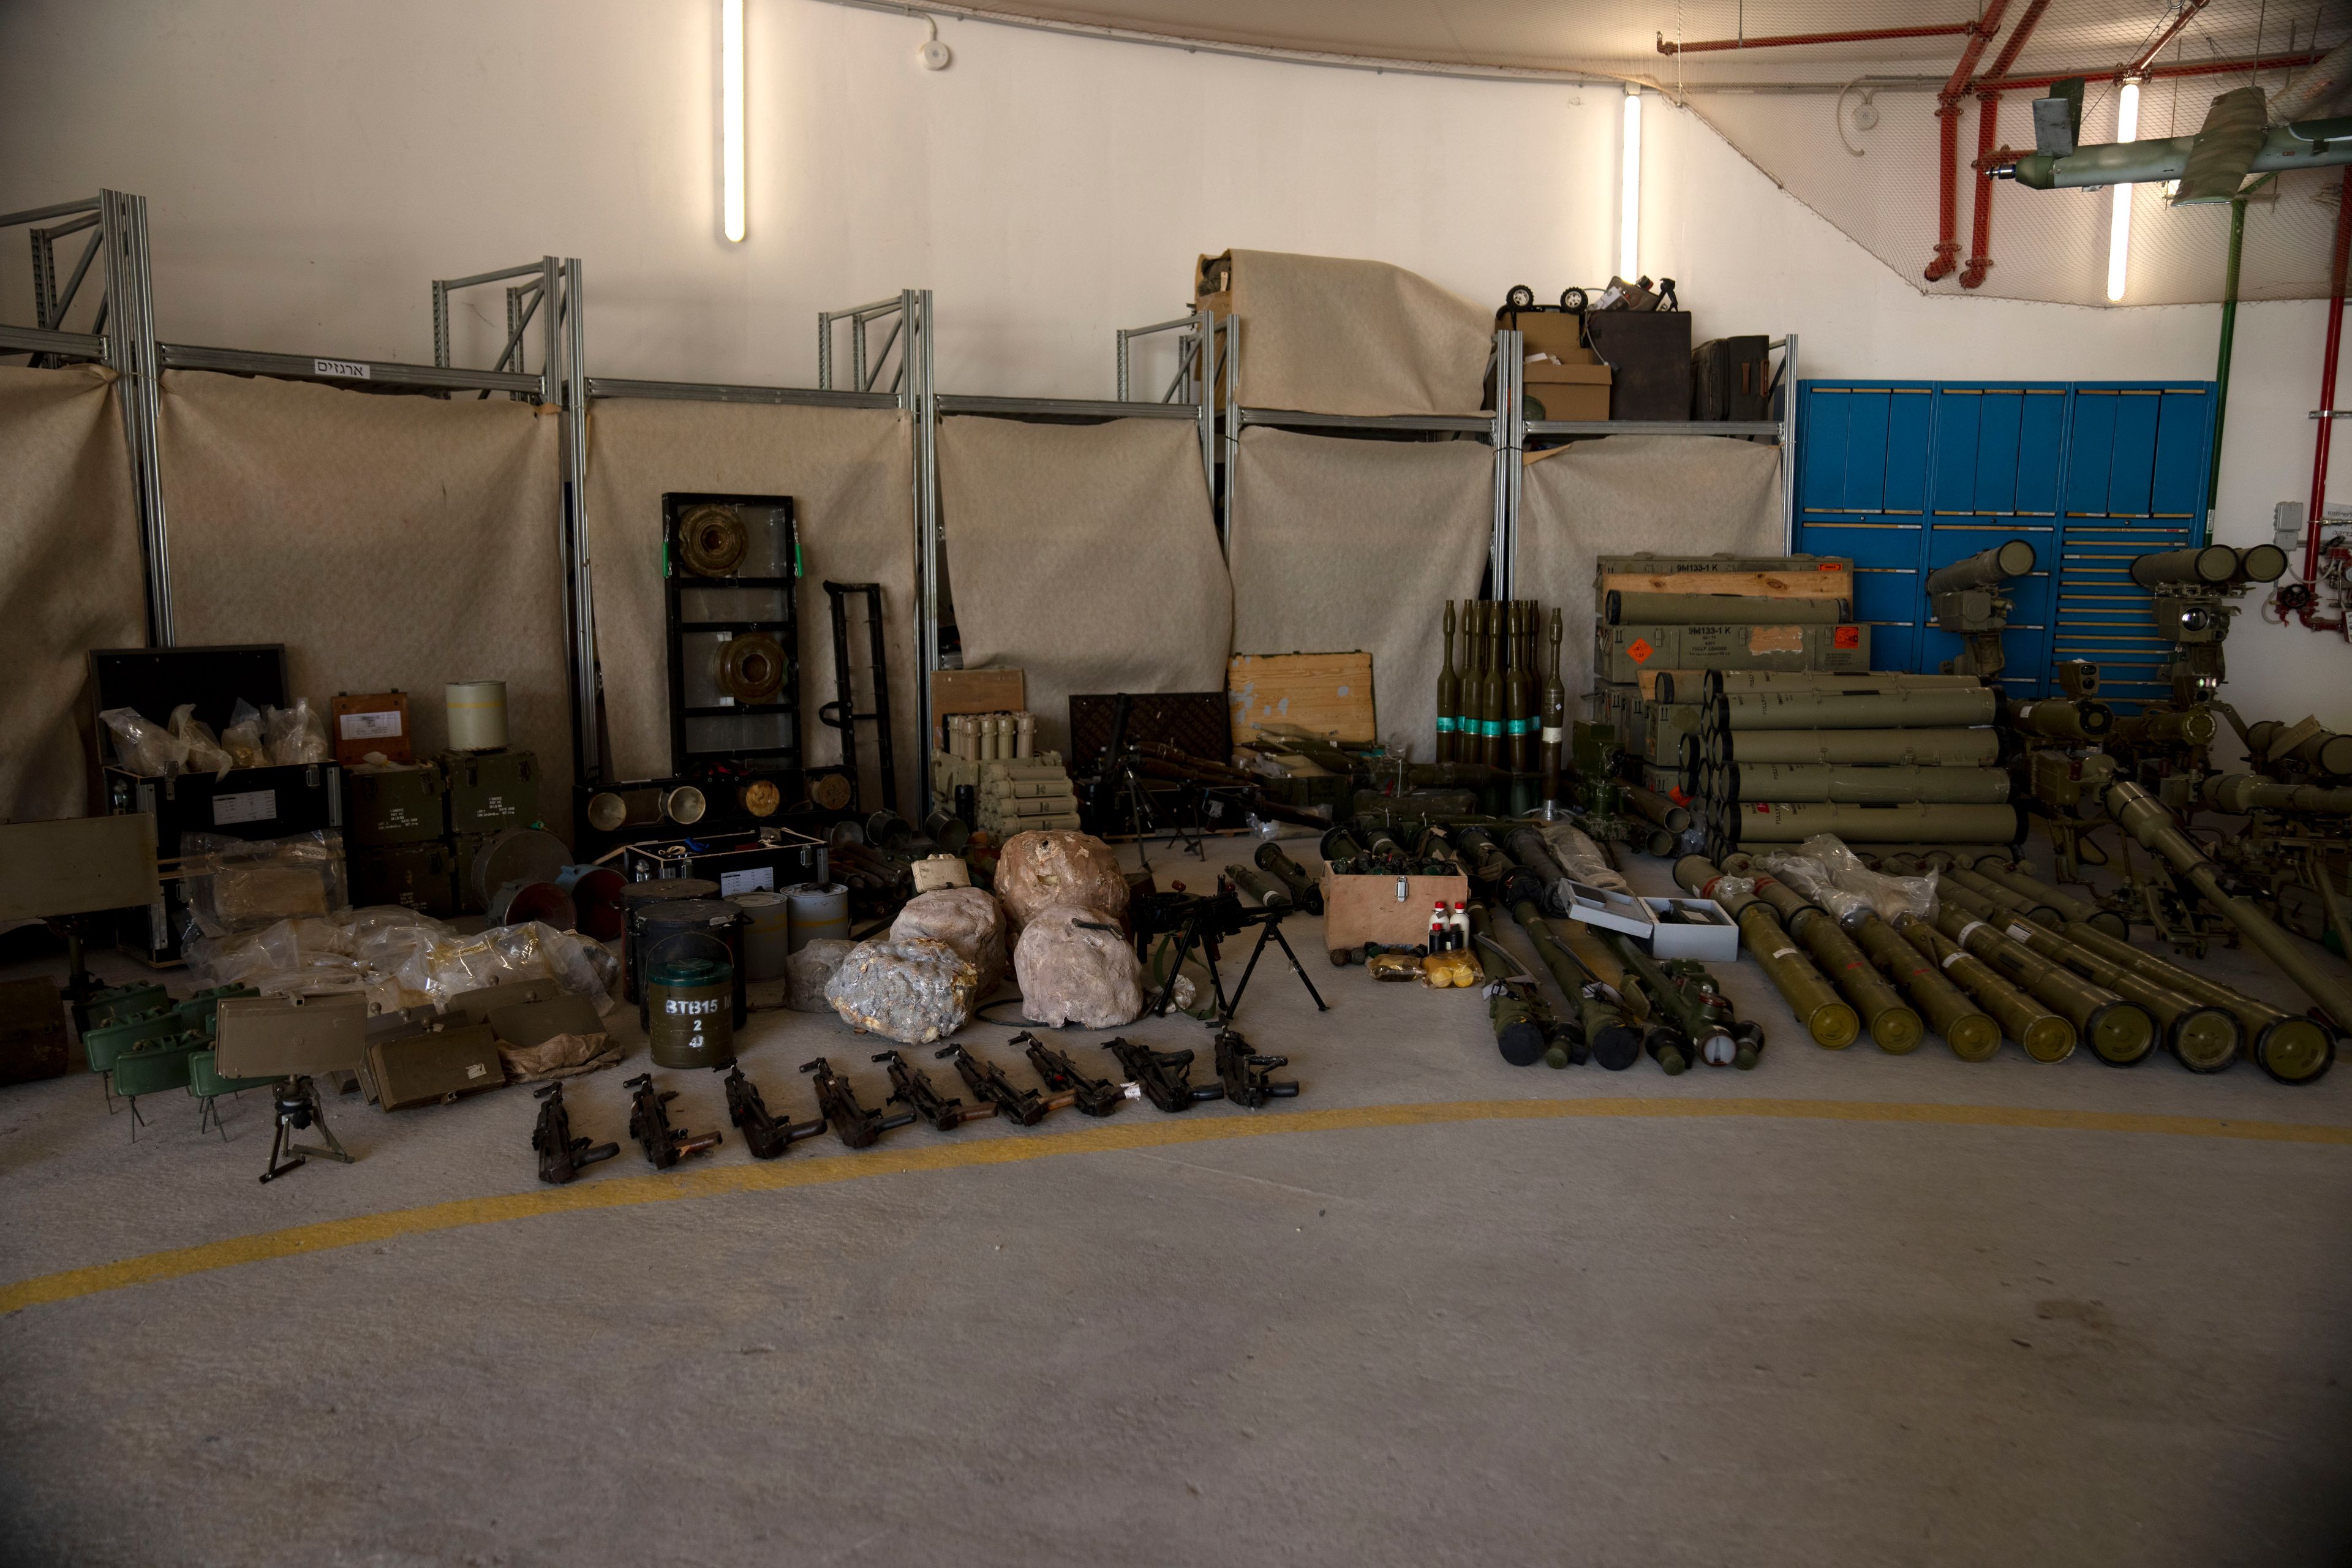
[1907, 475]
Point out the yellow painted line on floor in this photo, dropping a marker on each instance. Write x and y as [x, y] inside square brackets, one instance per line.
[595, 1192]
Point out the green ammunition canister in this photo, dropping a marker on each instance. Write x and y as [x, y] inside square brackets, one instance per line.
[2043, 1035]
[2118, 1031]
[2069, 906]
[1859, 784]
[690, 1002]
[2287, 1046]
[2145, 818]
[1794, 822]
[1906, 707]
[1895, 1027]
[1914, 748]
[1268, 893]
[1622, 607]
[1973, 1033]
[1305, 892]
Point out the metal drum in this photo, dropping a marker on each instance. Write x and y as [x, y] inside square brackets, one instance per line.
[636, 896]
[768, 942]
[517, 855]
[691, 979]
[819, 910]
[477, 714]
[596, 893]
[652, 925]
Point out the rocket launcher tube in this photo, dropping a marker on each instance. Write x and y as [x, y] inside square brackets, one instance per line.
[2045, 1037]
[2118, 1032]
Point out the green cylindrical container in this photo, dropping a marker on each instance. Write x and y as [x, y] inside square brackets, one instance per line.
[1715, 683]
[1893, 1027]
[1858, 784]
[2244, 793]
[2205, 1038]
[2167, 727]
[2003, 898]
[1928, 707]
[2286, 1044]
[1985, 569]
[1268, 893]
[2045, 1037]
[2068, 906]
[1972, 1034]
[1627, 607]
[1775, 823]
[2063, 719]
[2118, 1032]
[2197, 567]
[1916, 748]
[691, 993]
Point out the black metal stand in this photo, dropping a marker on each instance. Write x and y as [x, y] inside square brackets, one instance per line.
[842, 712]
[297, 1107]
[1269, 924]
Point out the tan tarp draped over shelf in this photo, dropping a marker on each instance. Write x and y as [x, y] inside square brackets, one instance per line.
[1329, 335]
[70, 578]
[1342, 544]
[388, 542]
[851, 474]
[1683, 495]
[1086, 555]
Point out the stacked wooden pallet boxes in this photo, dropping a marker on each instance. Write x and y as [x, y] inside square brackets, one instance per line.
[1660, 622]
[1013, 795]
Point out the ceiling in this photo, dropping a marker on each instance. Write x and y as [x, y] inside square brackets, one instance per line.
[1619, 37]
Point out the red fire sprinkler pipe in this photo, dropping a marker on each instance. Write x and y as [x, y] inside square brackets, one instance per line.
[2327, 387]
[2141, 62]
[1948, 111]
[1988, 123]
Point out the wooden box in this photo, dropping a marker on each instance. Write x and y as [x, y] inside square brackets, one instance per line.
[1391, 909]
[1325, 694]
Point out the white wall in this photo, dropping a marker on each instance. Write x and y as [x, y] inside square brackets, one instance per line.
[309, 167]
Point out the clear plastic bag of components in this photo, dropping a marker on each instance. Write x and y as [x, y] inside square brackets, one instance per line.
[295, 734]
[1581, 857]
[206, 755]
[244, 884]
[143, 746]
[1832, 876]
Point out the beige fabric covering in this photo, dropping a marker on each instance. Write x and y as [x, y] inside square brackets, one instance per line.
[1684, 495]
[1336, 336]
[70, 577]
[1342, 544]
[1086, 555]
[388, 542]
[851, 474]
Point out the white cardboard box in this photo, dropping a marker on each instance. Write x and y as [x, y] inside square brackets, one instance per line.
[1705, 932]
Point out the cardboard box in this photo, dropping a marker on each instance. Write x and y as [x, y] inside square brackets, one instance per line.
[1554, 332]
[1621, 652]
[1569, 391]
[1392, 910]
[975, 691]
[1705, 932]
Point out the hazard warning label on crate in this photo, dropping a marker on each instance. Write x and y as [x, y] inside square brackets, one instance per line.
[1640, 651]
[1846, 636]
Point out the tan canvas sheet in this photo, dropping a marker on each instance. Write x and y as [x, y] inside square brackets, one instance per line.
[69, 576]
[388, 542]
[1684, 495]
[1344, 544]
[1334, 336]
[850, 472]
[1086, 555]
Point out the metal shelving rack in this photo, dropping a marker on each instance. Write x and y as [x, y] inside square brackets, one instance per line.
[547, 294]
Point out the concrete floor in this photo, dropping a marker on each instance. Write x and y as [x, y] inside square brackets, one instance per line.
[1874, 1314]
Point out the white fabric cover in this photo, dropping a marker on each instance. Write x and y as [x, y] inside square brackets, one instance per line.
[1336, 336]
[1086, 555]
[388, 542]
[1680, 495]
[70, 577]
[1340, 545]
[850, 472]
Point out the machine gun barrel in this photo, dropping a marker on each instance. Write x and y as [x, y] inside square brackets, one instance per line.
[2145, 818]
[1985, 569]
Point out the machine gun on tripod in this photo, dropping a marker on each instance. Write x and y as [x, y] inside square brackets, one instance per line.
[1205, 920]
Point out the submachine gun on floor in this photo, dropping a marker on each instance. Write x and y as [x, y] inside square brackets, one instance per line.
[857, 1127]
[1070, 1085]
[912, 1087]
[766, 1136]
[1165, 1077]
[649, 1124]
[989, 1083]
[1247, 1076]
[561, 1155]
